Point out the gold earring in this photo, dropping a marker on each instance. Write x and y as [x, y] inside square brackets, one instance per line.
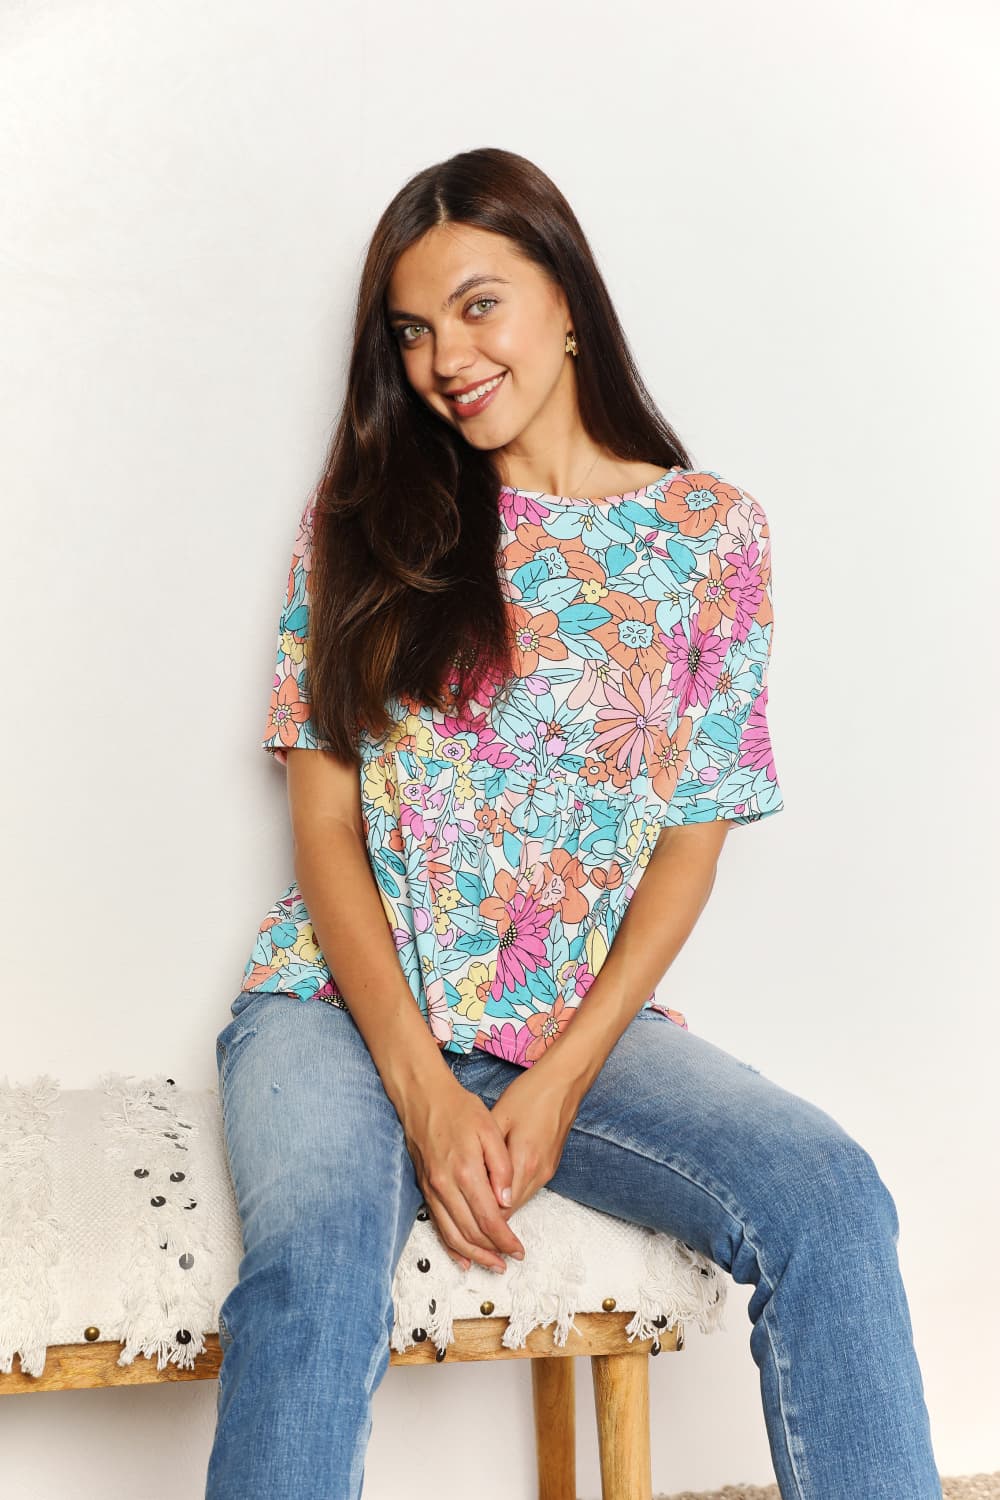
[571, 344]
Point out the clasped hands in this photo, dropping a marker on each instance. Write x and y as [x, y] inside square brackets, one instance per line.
[475, 1165]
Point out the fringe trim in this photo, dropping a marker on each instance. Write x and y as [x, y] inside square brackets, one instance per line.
[160, 1298]
[29, 1229]
[678, 1284]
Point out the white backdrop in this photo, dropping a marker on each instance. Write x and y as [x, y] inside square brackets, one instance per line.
[797, 217]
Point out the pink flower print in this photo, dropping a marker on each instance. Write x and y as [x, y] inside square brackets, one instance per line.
[755, 743]
[591, 684]
[507, 1041]
[523, 927]
[438, 1013]
[419, 808]
[626, 727]
[516, 507]
[695, 663]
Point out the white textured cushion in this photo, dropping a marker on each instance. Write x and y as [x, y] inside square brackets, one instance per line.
[83, 1245]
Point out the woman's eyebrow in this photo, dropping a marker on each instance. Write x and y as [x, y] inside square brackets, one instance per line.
[460, 290]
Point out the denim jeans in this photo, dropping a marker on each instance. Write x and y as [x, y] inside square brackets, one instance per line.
[674, 1133]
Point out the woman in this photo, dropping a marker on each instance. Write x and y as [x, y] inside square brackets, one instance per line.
[538, 640]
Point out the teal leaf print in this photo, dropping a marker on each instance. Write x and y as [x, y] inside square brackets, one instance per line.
[580, 618]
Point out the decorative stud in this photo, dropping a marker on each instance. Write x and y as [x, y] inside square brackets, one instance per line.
[183, 1337]
[170, 1080]
[157, 1202]
[170, 1134]
[186, 1261]
[704, 1272]
[163, 1244]
[655, 1347]
[609, 1304]
[91, 1333]
[486, 1308]
[141, 1172]
[423, 1213]
[193, 1203]
[419, 1334]
[423, 1264]
[177, 1176]
[439, 1356]
[660, 1322]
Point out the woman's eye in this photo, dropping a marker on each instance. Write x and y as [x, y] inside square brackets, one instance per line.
[404, 328]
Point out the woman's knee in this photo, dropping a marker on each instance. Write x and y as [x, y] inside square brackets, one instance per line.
[832, 1190]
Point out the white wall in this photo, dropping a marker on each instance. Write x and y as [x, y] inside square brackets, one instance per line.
[796, 213]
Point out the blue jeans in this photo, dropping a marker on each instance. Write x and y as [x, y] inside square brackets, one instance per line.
[674, 1133]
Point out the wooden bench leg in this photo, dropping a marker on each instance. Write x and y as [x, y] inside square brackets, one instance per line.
[621, 1396]
[553, 1392]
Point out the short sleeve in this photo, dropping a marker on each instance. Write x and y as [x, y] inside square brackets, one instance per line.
[720, 655]
[289, 726]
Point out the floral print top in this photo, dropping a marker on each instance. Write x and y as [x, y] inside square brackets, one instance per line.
[507, 842]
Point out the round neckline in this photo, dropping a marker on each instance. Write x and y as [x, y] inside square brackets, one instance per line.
[550, 500]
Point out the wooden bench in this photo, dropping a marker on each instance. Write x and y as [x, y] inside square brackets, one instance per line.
[105, 1257]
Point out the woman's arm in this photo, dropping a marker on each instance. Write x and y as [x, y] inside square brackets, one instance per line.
[461, 1160]
[537, 1108]
[668, 901]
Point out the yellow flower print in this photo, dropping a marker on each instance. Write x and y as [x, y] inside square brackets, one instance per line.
[451, 747]
[636, 836]
[379, 786]
[591, 590]
[474, 990]
[464, 790]
[291, 646]
[415, 732]
[306, 947]
[445, 901]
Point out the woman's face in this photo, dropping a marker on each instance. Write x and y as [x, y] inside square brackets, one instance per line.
[511, 325]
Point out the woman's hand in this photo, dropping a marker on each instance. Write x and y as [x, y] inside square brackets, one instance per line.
[459, 1157]
[534, 1114]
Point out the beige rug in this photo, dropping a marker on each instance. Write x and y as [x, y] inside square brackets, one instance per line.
[974, 1487]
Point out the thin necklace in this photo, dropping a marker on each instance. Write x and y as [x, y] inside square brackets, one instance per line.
[588, 473]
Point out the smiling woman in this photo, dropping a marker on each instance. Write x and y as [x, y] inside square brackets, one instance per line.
[520, 692]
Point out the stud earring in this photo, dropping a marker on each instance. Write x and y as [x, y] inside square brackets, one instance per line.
[571, 344]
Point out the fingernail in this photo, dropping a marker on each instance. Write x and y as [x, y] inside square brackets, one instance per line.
[518, 1254]
[505, 1195]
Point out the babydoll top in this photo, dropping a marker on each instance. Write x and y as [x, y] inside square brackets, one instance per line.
[507, 842]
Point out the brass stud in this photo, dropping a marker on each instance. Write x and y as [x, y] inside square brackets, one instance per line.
[486, 1308]
[91, 1333]
[439, 1356]
[656, 1347]
[423, 1264]
[609, 1304]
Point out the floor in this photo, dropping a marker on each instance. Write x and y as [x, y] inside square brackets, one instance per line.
[973, 1487]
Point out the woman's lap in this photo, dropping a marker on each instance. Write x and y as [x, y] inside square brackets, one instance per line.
[674, 1133]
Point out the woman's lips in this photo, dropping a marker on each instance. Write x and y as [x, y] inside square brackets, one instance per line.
[473, 408]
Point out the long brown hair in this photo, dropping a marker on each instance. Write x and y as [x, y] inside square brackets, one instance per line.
[406, 587]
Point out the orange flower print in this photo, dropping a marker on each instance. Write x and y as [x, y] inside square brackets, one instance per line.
[668, 759]
[562, 889]
[288, 711]
[696, 502]
[546, 1027]
[566, 558]
[535, 637]
[631, 637]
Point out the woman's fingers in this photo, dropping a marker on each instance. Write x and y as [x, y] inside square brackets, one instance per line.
[453, 1237]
